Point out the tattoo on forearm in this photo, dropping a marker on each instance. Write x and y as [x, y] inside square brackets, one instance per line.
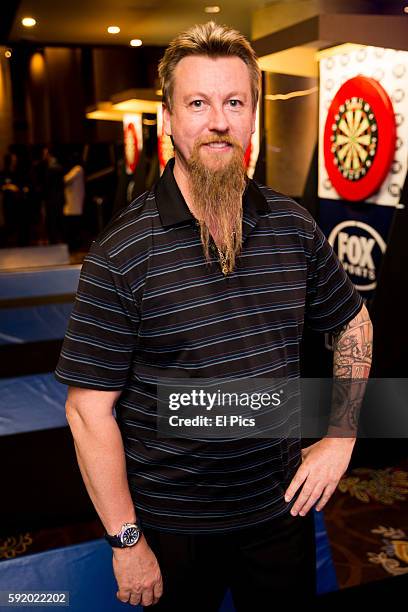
[353, 348]
[346, 403]
[351, 367]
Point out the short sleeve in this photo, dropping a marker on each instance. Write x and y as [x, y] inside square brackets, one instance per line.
[331, 300]
[102, 330]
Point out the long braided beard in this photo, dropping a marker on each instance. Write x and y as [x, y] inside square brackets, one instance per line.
[216, 190]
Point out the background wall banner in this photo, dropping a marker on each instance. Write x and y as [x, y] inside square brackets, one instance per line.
[358, 234]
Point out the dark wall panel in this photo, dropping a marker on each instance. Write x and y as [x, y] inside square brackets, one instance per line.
[66, 98]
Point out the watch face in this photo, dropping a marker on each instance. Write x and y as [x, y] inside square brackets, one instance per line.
[130, 536]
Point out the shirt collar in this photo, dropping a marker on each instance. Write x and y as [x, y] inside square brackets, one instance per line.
[172, 206]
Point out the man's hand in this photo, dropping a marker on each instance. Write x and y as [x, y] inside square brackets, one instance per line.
[324, 463]
[138, 574]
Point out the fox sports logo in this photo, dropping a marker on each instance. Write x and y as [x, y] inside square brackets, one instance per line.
[359, 248]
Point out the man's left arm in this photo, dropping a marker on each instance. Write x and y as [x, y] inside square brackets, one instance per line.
[325, 462]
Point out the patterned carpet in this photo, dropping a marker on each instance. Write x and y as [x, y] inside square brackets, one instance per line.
[29, 542]
[367, 524]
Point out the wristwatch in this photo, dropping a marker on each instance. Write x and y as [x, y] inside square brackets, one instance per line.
[128, 536]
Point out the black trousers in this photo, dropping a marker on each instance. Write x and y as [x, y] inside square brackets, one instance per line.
[264, 566]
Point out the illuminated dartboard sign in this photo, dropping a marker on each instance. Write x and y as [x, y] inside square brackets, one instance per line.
[131, 148]
[359, 138]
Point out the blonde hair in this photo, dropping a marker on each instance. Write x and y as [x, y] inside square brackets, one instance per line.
[212, 40]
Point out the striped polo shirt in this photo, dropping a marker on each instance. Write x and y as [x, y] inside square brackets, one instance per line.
[149, 307]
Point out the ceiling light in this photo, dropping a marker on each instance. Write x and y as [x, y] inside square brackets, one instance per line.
[405, 9]
[134, 105]
[7, 53]
[28, 22]
[103, 111]
[113, 29]
[212, 9]
[136, 42]
[136, 100]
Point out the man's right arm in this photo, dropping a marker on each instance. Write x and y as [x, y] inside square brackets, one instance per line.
[101, 459]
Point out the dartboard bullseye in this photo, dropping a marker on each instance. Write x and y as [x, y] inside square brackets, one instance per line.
[359, 138]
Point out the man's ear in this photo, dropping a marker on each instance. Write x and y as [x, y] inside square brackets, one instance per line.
[166, 120]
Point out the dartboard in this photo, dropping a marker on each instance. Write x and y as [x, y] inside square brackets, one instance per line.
[359, 138]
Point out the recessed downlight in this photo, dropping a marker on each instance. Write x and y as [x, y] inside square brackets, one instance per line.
[28, 22]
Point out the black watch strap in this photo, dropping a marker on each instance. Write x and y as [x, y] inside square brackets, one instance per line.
[114, 541]
[117, 541]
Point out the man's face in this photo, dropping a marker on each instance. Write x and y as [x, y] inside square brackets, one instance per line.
[211, 99]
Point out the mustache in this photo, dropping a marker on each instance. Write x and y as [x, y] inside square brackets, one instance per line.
[218, 138]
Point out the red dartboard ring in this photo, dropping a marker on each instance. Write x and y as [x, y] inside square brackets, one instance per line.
[247, 156]
[160, 152]
[359, 138]
[131, 147]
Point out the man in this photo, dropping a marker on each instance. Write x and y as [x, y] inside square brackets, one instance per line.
[74, 181]
[208, 276]
[49, 178]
